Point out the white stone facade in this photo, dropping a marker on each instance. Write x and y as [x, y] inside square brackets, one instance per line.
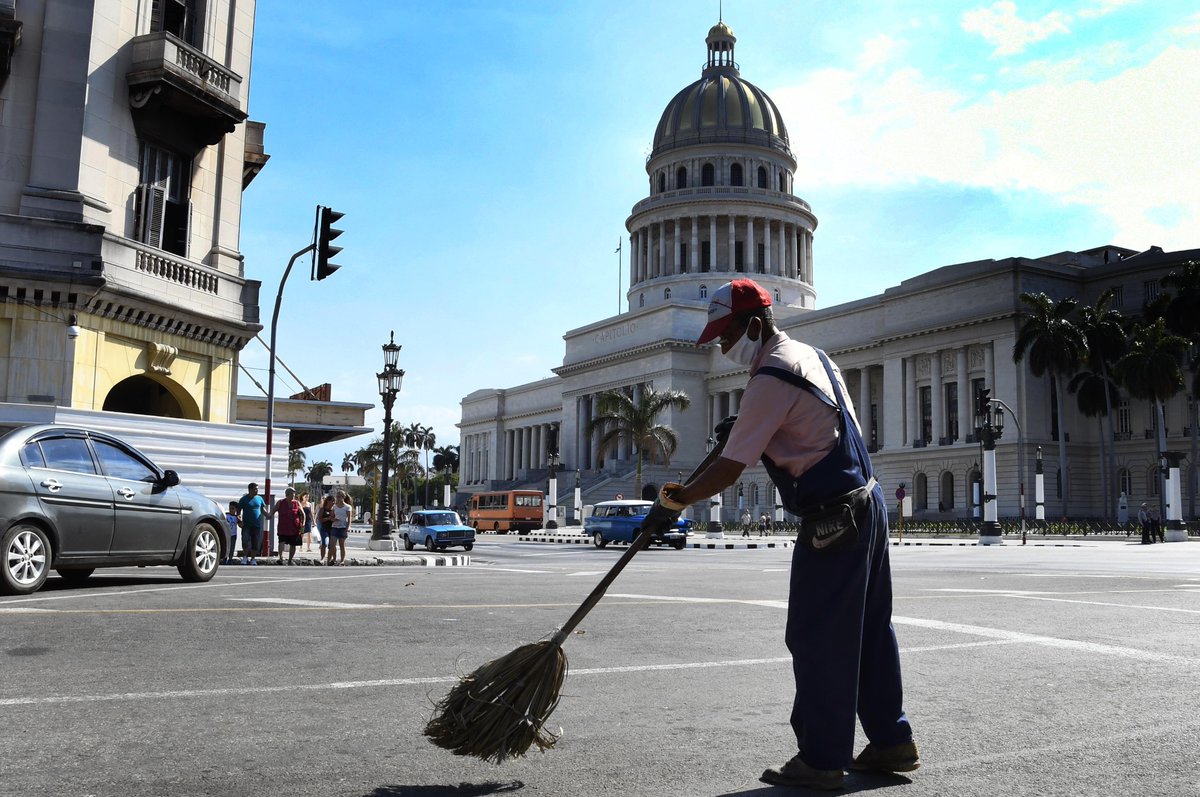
[913, 355]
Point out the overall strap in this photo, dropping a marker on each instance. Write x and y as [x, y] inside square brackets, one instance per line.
[794, 378]
[855, 436]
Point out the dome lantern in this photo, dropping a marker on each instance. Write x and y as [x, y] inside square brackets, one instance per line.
[720, 41]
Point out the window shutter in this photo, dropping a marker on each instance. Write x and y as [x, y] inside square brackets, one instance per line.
[151, 199]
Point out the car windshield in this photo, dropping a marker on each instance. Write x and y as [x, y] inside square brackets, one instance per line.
[441, 519]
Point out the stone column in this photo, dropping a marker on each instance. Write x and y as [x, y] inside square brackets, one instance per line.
[935, 396]
[964, 393]
[794, 245]
[731, 265]
[677, 267]
[712, 243]
[808, 242]
[864, 403]
[751, 249]
[662, 250]
[695, 253]
[767, 247]
[910, 397]
[782, 267]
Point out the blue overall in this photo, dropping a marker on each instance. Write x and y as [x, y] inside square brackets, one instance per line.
[839, 626]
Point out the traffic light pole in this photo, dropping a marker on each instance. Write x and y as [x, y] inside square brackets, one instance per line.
[269, 531]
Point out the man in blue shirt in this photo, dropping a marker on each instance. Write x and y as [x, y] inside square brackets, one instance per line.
[252, 508]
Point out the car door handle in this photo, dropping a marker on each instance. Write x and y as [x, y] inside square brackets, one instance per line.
[53, 485]
[126, 493]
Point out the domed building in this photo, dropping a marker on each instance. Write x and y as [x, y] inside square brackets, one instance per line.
[719, 204]
[720, 194]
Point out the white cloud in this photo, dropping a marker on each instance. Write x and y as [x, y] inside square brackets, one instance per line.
[1000, 26]
[1189, 28]
[1103, 7]
[1121, 146]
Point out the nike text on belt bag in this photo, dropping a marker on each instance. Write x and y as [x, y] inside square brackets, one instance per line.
[833, 527]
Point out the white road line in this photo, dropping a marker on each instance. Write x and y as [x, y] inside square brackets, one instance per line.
[993, 591]
[24, 610]
[588, 573]
[317, 604]
[394, 682]
[1048, 641]
[1117, 605]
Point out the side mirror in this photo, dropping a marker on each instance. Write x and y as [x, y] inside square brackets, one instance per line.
[169, 478]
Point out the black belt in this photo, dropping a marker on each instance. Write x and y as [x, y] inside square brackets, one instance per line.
[855, 498]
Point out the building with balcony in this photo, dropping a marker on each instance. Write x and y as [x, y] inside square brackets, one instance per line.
[721, 204]
[126, 148]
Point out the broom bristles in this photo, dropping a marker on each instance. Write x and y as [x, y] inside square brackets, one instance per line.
[499, 711]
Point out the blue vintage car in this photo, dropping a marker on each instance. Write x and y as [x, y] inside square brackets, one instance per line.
[437, 529]
[619, 521]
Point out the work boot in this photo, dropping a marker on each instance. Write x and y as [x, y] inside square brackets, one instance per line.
[897, 758]
[797, 773]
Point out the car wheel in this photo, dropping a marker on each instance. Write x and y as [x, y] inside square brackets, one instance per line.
[598, 540]
[75, 575]
[429, 544]
[408, 545]
[202, 554]
[678, 545]
[468, 546]
[26, 562]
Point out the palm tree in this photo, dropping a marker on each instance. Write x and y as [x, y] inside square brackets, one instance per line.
[1103, 330]
[421, 437]
[296, 459]
[347, 462]
[1055, 347]
[1095, 394]
[319, 470]
[1151, 370]
[621, 417]
[1183, 318]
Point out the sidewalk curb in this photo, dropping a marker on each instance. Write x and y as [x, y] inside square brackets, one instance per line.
[700, 545]
[419, 560]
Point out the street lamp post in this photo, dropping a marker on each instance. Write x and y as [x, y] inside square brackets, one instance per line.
[714, 516]
[989, 426]
[446, 487]
[1020, 461]
[390, 379]
[578, 499]
[1039, 489]
[552, 509]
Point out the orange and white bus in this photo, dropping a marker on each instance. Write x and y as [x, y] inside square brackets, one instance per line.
[507, 510]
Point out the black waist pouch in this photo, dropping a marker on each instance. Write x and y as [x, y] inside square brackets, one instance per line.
[834, 526]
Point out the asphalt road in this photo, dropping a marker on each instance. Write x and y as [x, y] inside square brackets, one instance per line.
[1028, 670]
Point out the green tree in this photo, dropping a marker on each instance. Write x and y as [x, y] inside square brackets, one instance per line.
[319, 471]
[622, 417]
[296, 459]
[1104, 333]
[347, 462]
[1183, 318]
[1054, 346]
[1151, 370]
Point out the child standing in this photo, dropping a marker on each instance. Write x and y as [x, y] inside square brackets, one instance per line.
[231, 520]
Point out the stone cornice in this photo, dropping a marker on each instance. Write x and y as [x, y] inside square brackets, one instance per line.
[669, 344]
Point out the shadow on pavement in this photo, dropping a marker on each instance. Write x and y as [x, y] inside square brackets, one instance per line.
[855, 782]
[461, 790]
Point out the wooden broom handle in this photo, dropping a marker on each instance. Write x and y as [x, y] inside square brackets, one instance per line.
[640, 542]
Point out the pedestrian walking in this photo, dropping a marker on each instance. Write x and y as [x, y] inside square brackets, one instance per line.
[1156, 529]
[325, 523]
[307, 509]
[1144, 522]
[251, 509]
[797, 418]
[764, 523]
[289, 522]
[340, 528]
[231, 520]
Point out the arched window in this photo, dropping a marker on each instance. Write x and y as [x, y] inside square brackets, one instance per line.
[921, 500]
[667, 293]
[782, 182]
[1125, 479]
[762, 177]
[946, 491]
[1152, 481]
[735, 174]
[707, 175]
[703, 291]
[754, 494]
[681, 177]
[662, 183]
[641, 300]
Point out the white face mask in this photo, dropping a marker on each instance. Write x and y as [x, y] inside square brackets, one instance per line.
[745, 350]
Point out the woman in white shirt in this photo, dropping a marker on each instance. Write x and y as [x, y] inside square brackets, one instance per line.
[340, 528]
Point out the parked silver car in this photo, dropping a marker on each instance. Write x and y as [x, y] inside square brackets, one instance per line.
[75, 499]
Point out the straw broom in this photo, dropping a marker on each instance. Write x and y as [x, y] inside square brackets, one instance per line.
[500, 710]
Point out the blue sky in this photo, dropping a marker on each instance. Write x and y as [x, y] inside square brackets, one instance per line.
[487, 154]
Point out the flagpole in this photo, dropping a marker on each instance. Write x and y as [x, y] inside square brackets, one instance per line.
[620, 242]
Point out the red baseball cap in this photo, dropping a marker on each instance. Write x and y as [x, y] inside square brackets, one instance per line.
[730, 299]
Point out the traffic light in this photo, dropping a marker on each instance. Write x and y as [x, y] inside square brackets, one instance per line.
[981, 401]
[326, 251]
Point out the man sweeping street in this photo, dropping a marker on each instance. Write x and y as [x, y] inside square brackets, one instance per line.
[796, 417]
